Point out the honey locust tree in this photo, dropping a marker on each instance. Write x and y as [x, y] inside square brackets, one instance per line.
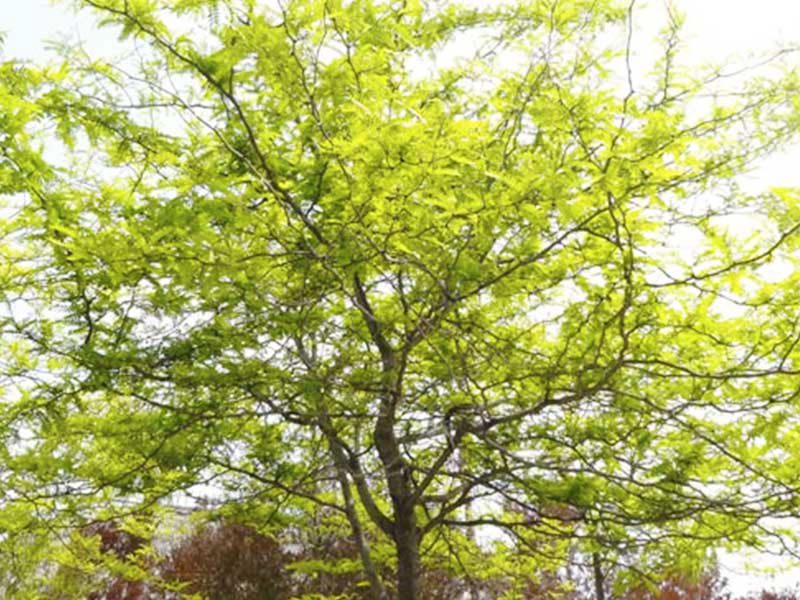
[301, 252]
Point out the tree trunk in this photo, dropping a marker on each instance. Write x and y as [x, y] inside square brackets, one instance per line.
[599, 583]
[407, 540]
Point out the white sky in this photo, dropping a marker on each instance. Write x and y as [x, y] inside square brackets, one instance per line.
[715, 30]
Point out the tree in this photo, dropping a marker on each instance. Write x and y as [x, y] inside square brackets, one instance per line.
[289, 258]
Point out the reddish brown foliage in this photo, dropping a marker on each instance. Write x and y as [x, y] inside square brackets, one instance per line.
[113, 539]
[119, 589]
[708, 588]
[120, 543]
[230, 561]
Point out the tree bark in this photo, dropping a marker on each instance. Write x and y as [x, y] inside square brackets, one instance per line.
[599, 583]
[407, 538]
[406, 532]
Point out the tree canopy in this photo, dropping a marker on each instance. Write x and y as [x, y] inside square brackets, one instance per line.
[295, 262]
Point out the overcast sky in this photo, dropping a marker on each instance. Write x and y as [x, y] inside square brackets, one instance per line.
[715, 29]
